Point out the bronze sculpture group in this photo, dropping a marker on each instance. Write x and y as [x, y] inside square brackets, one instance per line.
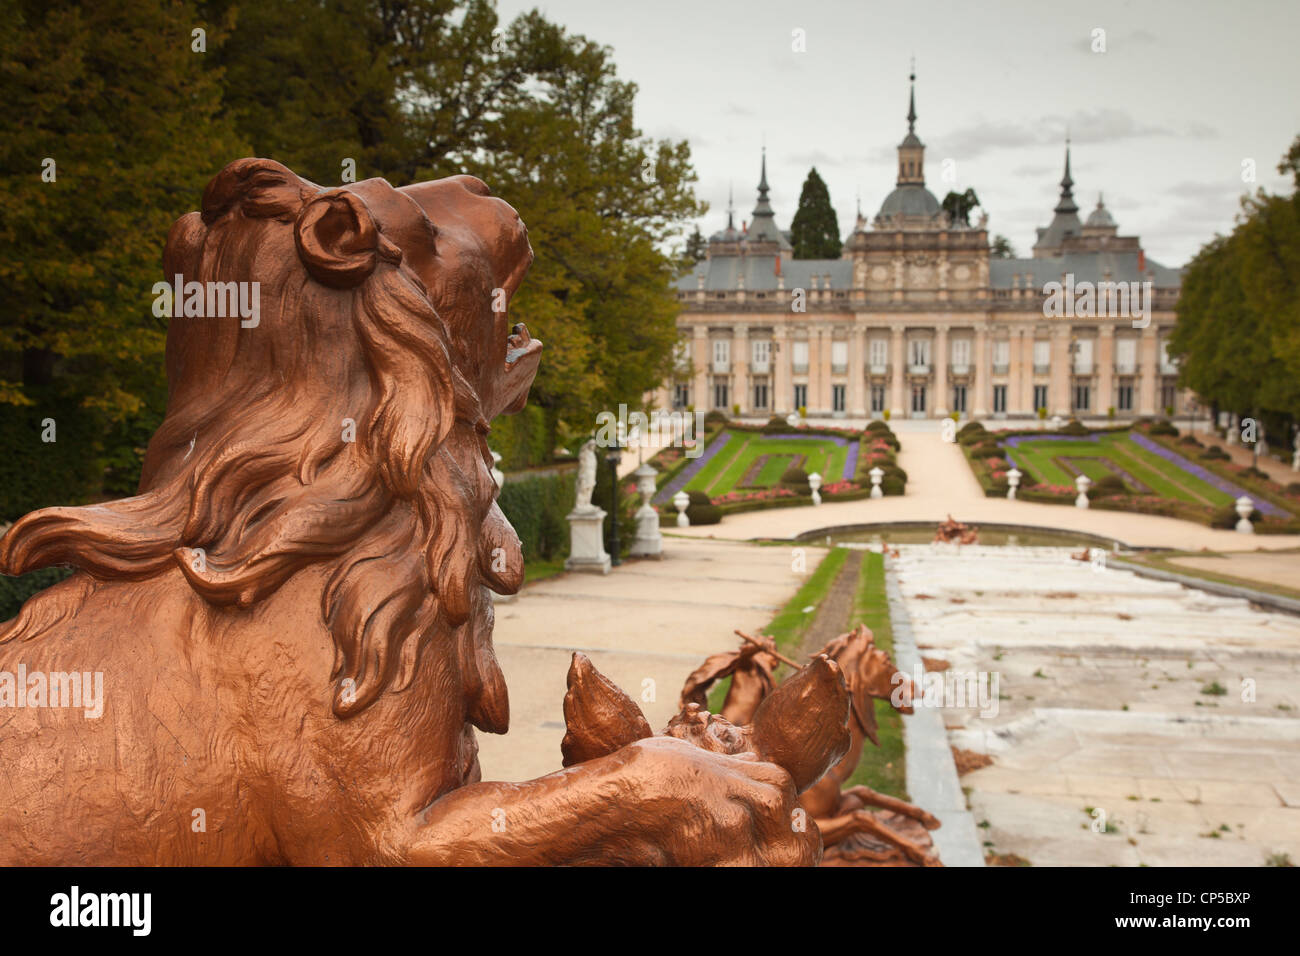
[292, 617]
[853, 835]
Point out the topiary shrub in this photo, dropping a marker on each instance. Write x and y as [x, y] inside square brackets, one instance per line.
[1107, 486]
[1293, 488]
[1253, 472]
[986, 450]
[796, 479]
[891, 485]
[892, 470]
[776, 425]
[1162, 428]
[702, 510]
[1075, 427]
[1190, 441]
[716, 417]
[1214, 453]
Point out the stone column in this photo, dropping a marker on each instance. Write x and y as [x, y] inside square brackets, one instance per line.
[702, 397]
[1028, 335]
[857, 406]
[1148, 355]
[1015, 372]
[897, 372]
[814, 369]
[940, 357]
[740, 359]
[782, 392]
[1058, 392]
[983, 398]
[1106, 368]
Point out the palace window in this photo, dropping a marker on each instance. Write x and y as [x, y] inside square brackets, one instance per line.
[1001, 355]
[879, 352]
[839, 356]
[1040, 397]
[1042, 355]
[1082, 396]
[999, 399]
[961, 352]
[1083, 357]
[722, 355]
[760, 395]
[959, 398]
[918, 399]
[801, 396]
[837, 398]
[799, 356]
[720, 394]
[1126, 355]
[681, 396]
[1124, 398]
[1169, 397]
[762, 353]
[877, 398]
[920, 352]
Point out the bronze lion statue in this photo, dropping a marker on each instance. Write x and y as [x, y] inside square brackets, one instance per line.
[292, 616]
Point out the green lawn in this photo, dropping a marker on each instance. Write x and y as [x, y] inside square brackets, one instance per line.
[725, 471]
[1163, 477]
[882, 768]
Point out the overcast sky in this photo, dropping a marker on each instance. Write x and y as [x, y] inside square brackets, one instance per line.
[1160, 122]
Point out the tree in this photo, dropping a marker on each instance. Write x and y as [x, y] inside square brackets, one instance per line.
[1238, 333]
[815, 230]
[959, 205]
[697, 249]
[1002, 248]
[111, 129]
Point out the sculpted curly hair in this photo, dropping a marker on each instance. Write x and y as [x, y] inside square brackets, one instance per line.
[249, 479]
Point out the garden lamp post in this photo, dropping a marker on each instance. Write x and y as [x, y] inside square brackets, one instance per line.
[613, 456]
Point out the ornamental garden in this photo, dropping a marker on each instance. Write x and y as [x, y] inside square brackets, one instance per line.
[1147, 468]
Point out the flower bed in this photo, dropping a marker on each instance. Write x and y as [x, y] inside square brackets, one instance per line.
[1257, 488]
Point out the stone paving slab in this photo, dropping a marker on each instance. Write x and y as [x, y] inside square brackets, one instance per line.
[1104, 702]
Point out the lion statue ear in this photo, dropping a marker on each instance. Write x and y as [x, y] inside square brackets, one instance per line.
[339, 241]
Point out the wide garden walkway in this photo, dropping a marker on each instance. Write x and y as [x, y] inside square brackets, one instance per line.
[940, 482]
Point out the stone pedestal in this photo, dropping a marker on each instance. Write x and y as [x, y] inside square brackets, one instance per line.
[649, 542]
[587, 541]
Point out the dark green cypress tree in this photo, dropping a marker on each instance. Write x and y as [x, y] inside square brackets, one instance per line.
[815, 231]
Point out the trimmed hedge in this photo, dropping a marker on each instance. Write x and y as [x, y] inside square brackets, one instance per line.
[537, 508]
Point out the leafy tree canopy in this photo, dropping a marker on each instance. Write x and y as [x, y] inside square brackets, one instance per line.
[815, 230]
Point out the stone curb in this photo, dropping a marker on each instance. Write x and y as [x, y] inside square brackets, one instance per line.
[932, 779]
[1275, 601]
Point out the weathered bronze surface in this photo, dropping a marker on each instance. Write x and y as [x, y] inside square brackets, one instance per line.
[853, 835]
[292, 617]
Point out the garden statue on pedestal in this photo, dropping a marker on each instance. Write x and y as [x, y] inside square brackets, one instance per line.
[291, 619]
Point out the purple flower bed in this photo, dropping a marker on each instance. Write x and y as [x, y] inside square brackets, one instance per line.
[1264, 507]
[690, 471]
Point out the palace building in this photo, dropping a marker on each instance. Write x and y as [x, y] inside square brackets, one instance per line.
[916, 316]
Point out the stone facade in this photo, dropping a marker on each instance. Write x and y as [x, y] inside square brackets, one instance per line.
[919, 318]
